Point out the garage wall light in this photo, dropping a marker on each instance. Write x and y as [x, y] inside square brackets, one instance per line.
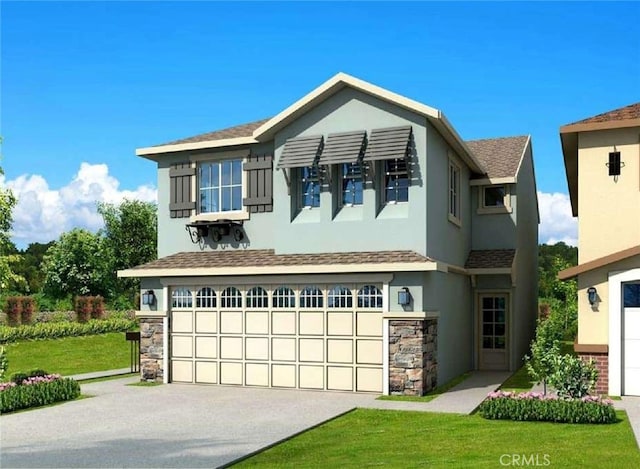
[404, 296]
[148, 298]
[592, 295]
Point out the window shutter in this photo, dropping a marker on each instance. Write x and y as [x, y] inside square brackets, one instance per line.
[259, 184]
[181, 202]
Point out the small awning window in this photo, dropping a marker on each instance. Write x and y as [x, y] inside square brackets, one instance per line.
[388, 144]
[300, 152]
[345, 147]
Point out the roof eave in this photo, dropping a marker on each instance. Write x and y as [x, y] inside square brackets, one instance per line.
[152, 152]
[569, 142]
[606, 125]
[442, 124]
[604, 261]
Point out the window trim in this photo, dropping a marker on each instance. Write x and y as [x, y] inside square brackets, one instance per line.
[342, 177]
[453, 193]
[240, 214]
[300, 190]
[484, 209]
[384, 174]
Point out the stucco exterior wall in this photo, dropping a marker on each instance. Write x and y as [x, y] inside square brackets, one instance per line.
[446, 240]
[609, 219]
[525, 293]
[593, 321]
[372, 226]
[493, 230]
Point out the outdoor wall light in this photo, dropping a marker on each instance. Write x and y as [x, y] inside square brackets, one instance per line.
[404, 296]
[592, 294]
[148, 297]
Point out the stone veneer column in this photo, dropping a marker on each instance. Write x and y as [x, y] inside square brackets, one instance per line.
[413, 367]
[151, 349]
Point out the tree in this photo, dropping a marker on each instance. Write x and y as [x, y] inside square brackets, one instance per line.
[78, 264]
[7, 201]
[130, 236]
[552, 259]
[29, 266]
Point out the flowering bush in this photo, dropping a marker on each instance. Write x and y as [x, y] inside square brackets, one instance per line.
[534, 406]
[572, 377]
[37, 391]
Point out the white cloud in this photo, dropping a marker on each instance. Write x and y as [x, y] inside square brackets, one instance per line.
[556, 221]
[42, 213]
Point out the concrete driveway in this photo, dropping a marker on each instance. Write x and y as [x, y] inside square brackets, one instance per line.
[163, 426]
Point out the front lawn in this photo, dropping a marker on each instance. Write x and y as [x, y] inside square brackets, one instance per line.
[367, 437]
[70, 355]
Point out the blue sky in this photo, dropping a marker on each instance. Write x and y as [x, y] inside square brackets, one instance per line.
[85, 83]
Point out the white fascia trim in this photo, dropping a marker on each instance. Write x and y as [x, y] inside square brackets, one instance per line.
[359, 279]
[227, 142]
[291, 269]
[524, 152]
[333, 85]
[151, 314]
[468, 156]
[492, 181]
[412, 315]
[616, 279]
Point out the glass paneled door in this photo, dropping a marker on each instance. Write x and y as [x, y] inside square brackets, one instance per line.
[493, 338]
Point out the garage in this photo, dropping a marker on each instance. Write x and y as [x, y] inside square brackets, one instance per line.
[306, 336]
[631, 334]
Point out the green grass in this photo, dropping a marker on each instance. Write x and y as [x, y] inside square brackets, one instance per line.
[108, 378]
[520, 381]
[70, 355]
[367, 437]
[431, 394]
[145, 383]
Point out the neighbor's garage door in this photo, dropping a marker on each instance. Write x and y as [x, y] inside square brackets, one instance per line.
[631, 357]
[307, 336]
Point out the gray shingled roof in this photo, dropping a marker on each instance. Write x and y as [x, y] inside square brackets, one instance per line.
[490, 259]
[242, 130]
[631, 111]
[268, 257]
[499, 156]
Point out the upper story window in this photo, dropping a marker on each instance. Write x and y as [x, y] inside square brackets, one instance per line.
[352, 183]
[309, 187]
[454, 192]
[220, 186]
[396, 181]
[495, 199]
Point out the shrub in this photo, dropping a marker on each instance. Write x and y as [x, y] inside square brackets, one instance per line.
[572, 377]
[37, 391]
[37, 372]
[18, 378]
[533, 406]
[83, 308]
[56, 316]
[13, 310]
[28, 307]
[122, 303]
[54, 330]
[97, 307]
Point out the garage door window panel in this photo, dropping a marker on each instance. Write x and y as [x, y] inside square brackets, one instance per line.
[369, 296]
[181, 298]
[340, 297]
[284, 297]
[206, 298]
[257, 297]
[231, 298]
[311, 297]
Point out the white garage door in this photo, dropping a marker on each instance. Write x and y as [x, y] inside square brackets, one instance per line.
[631, 312]
[291, 336]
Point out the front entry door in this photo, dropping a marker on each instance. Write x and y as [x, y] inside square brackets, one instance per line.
[494, 346]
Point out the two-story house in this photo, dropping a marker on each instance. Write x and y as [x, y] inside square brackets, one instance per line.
[602, 161]
[352, 242]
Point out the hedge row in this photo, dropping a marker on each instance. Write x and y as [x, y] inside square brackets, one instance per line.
[38, 394]
[536, 407]
[65, 329]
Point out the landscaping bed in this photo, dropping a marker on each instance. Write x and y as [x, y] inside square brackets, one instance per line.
[36, 390]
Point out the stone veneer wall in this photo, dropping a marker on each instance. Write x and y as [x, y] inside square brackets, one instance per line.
[413, 367]
[601, 362]
[151, 345]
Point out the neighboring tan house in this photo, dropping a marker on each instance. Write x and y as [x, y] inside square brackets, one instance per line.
[602, 160]
[353, 242]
